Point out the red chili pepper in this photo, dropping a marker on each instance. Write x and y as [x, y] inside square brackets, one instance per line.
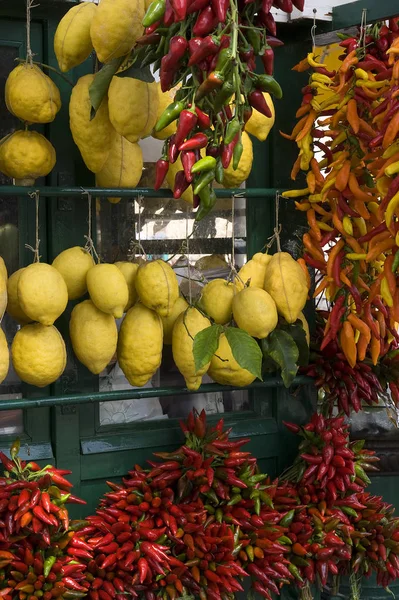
[268, 61]
[45, 501]
[180, 9]
[177, 48]
[208, 47]
[196, 6]
[198, 141]
[7, 463]
[143, 569]
[180, 185]
[268, 21]
[161, 169]
[187, 122]
[212, 82]
[205, 22]
[204, 121]
[258, 102]
[59, 480]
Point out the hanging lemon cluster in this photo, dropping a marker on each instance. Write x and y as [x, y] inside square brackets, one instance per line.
[155, 313]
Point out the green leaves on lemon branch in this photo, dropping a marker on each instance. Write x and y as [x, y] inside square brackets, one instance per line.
[101, 82]
[297, 332]
[135, 71]
[245, 350]
[281, 347]
[205, 344]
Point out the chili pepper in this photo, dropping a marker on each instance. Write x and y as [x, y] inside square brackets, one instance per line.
[204, 121]
[258, 102]
[207, 163]
[161, 169]
[197, 141]
[227, 152]
[180, 184]
[187, 122]
[169, 115]
[188, 160]
[209, 46]
[267, 83]
[154, 13]
[205, 22]
[223, 97]
[173, 151]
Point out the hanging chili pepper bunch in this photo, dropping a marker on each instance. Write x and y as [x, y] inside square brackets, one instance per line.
[38, 543]
[210, 48]
[338, 529]
[350, 200]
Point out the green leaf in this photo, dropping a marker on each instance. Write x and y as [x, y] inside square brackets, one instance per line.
[205, 344]
[297, 332]
[245, 350]
[283, 350]
[101, 82]
[137, 72]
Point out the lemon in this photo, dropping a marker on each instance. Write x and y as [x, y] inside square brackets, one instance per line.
[129, 271]
[108, 289]
[94, 336]
[164, 99]
[217, 300]
[213, 261]
[254, 311]
[253, 272]
[187, 196]
[3, 269]
[25, 156]
[258, 125]
[72, 41]
[157, 286]
[140, 344]
[31, 95]
[4, 357]
[123, 166]
[168, 322]
[305, 326]
[224, 369]
[38, 354]
[133, 106]
[286, 283]
[13, 306]
[116, 26]
[93, 137]
[187, 325]
[3, 296]
[233, 179]
[42, 293]
[73, 264]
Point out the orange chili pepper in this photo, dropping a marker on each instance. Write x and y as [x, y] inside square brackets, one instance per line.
[332, 256]
[352, 116]
[258, 553]
[302, 66]
[311, 215]
[395, 74]
[356, 322]
[375, 287]
[340, 114]
[382, 324]
[386, 164]
[380, 249]
[195, 573]
[311, 182]
[310, 245]
[338, 224]
[395, 308]
[357, 191]
[348, 344]
[362, 284]
[367, 128]
[301, 262]
[362, 346]
[345, 279]
[296, 168]
[299, 550]
[302, 206]
[349, 61]
[321, 211]
[342, 179]
[391, 131]
[310, 119]
[375, 349]
[391, 277]
[380, 237]
[303, 110]
[314, 165]
[321, 287]
[360, 208]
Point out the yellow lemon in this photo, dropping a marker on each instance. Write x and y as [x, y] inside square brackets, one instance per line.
[93, 137]
[123, 166]
[168, 322]
[133, 106]
[254, 311]
[224, 369]
[116, 26]
[3, 269]
[217, 300]
[38, 354]
[129, 271]
[13, 306]
[258, 125]
[140, 344]
[253, 272]
[4, 357]
[108, 289]
[42, 293]
[233, 179]
[31, 95]
[187, 325]
[286, 283]
[72, 41]
[74, 264]
[3, 296]
[25, 156]
[157, 286]
[94, 336]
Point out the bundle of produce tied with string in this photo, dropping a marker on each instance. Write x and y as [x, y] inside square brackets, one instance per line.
[347, 136]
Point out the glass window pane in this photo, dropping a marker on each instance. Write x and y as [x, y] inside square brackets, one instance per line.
[160, 227]
[11, 422]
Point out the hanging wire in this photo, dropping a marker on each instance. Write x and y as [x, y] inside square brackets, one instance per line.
[90, 247]
[363, 29]
[313, 30]
[190, 291]
[137, 246]
[35, 250]
[29, 53]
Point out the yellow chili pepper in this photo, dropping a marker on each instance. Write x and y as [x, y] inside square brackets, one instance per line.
[328, 185]
[347, 223]
[372, 84]
[302, 206]
[392, 169]
[385, 293]
[397, 239]
[357, 335]
[330, 101]
[373, 207]
[392, 206]
[316, 85]
[341, 137]
[313, 63]
[295, 193]
[315, 198]
[361, 74]
[361, 225]
[391, 150]
[315, 105]
[382, 185]
[355, 256]
[321, 78]
[324, 227]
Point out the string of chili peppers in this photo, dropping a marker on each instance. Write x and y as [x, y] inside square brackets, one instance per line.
[209, 48]
[351, 198]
